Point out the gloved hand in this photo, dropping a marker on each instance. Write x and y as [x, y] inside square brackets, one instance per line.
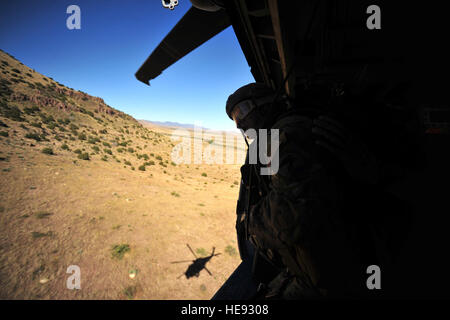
[356, 158]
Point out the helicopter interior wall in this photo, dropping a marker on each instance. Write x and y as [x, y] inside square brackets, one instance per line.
[410, 48]
[329, 40]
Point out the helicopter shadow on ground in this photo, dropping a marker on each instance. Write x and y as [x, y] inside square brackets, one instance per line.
[196, 265]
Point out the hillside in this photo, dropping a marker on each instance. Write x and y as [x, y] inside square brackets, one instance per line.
[82, 183]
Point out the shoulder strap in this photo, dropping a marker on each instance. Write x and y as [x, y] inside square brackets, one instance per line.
[290, 120]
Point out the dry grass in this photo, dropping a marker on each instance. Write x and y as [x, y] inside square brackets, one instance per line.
[57, 211]
[97, 204]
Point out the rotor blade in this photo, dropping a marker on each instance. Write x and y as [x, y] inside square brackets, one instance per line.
[192, 251]
[195, 28]
[208, 271]
[183, 261]
[211, 256]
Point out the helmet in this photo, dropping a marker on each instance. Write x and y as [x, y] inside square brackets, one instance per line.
[247, 98]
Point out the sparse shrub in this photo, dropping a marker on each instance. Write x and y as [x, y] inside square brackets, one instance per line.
[204, 174]
[106, 144]
[12, 113]
[158, 158]
[108, 151]
[48, 151]
[105, 158]
[46, 119]
[33, 136]
[84, 156]
[65, 147]
[142, 168]
[42, 215]
[130, 292]
[150, 163]
[201, 252]
[96, 148]
[128, 163]
[119, 250]
[131, 150]
[93, 140]
[175, 194]
[120, 150]
[32, 110]
[4, 133]
[51, 126]
[230, 250]
[4, 88]
[73, 127]
[82, 136]
[78, 151]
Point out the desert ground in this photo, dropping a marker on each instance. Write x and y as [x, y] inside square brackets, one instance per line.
[84, 184]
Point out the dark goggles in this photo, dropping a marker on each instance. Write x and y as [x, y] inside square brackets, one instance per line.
[244, 107]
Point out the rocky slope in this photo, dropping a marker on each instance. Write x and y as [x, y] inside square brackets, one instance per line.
[37, 110]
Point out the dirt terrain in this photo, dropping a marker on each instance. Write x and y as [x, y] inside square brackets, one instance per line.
[84, 184]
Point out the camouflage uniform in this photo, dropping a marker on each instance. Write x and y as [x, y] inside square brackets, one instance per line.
[303, 223]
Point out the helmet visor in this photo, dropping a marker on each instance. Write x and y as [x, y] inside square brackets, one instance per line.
[242, 109]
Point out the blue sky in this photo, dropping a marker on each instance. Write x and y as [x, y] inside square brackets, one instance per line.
[116, 37]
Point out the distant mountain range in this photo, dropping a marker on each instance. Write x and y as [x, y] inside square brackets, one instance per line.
[172, 124]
